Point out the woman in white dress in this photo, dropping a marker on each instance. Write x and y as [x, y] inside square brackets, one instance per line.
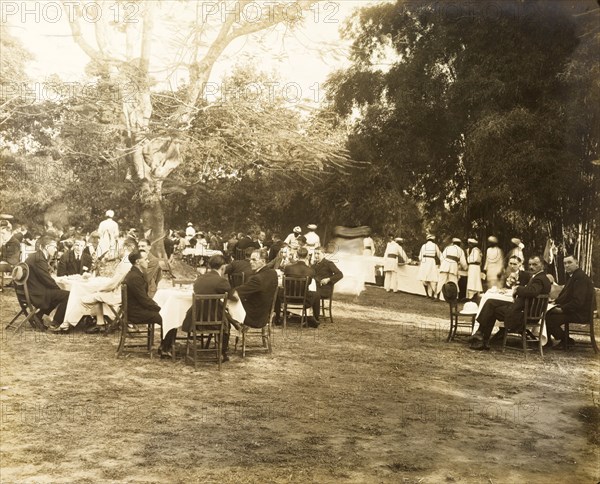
[494, 263]
[474, 257]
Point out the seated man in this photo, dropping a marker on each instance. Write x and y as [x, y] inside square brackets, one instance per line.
[211, 282]
[140, 307]
[153, 272]
[510, 313]
[300, 268]
[257, 292]
[572, 304]
[43, 290]
[515, 275]
[242, 266]
[326, 274]
[74, 260]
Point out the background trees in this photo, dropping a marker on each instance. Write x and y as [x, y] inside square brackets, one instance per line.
[474, 113]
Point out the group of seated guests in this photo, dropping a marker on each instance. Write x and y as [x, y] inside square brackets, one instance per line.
[572, 305]
[141, 271]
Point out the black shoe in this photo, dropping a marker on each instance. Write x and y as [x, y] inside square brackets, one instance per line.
[58, 330]
[312, 322]
[276, 321]
[164, 354]
[224, 358]
[479, 345]
[559, 345]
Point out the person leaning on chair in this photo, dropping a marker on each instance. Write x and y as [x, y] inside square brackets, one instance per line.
[43, 290]
[510, 313]
[572, 304]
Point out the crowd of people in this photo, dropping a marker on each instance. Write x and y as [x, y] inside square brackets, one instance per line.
[244, 262]
[57, 254]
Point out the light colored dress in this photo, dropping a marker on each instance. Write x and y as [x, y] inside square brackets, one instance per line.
[108, 230]
[474, 273]
[452, 258]
[494, 265]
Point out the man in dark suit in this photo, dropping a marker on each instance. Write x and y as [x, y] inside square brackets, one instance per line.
[211, 282]
[153, 272]
[326, 273]
[257, 292]
[43, 290]
[140, 307]
[574, 302]
[300, 268]
[276, 246]
[74, 260]
[510, 313]
[241, 266]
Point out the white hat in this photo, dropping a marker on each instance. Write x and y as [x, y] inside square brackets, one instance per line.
[297, 229]
[492, 239]
[311, 227]
[110, 213]
[399, 239]
[189, 224]
[515, 241]
[456, 240]
[470, 308]
[472, 241]
[430, 237]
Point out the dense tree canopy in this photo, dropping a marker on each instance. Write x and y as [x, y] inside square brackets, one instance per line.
[475, 113]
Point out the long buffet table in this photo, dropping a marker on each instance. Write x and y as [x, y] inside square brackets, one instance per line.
[360, 269]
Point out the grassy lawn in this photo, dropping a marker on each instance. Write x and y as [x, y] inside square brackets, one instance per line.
[377, 396]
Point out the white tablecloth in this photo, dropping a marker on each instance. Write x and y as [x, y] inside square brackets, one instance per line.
[408, 275]
[79, 287]
[507, 297]
[175, 301]
[200, 251]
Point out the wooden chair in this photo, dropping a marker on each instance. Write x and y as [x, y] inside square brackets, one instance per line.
[534, 319]
[20, 274]
[457, 318]
[586, 328]
[135, 337]
[295, 291]
[236, 279]
[326, 303]
[263, 333]
[208, 313]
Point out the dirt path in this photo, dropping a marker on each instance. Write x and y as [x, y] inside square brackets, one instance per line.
[378, 396]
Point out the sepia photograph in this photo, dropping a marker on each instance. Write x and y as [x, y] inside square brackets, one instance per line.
[299, 241]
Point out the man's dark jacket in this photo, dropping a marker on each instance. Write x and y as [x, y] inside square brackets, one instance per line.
[257, 295]
[323, 269]
[209, 283]
[140, 306]
[577, 297]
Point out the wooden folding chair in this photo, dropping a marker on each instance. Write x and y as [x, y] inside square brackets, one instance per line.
[133, 339]
[208, 319]
[20, 274]
[534, 319]
[295, 292]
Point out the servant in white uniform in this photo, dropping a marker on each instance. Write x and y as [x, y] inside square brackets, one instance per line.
[428, 270]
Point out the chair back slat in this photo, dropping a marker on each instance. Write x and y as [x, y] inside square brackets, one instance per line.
[535, 308]
[295, 288]
[239, 254]
[237, 279]
[208, 309]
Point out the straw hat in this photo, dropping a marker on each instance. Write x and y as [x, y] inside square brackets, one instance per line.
[492, 240]
[469, 308]
[297, 229]
[311, 227]
[110, 213]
